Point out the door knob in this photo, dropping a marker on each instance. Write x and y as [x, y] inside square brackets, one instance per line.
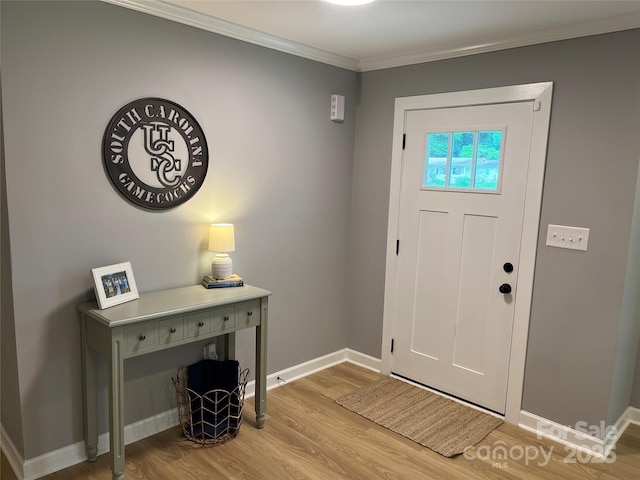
[508, 267]
[505, 288]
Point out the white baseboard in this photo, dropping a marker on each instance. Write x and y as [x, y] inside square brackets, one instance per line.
[53, 461]
[632, 414]
[563, 434]
[140, 429]
[73, 454]
[577, 439]
[11, 452]
[629, 416]
[364, 360]
[298, 371]
[312, 366]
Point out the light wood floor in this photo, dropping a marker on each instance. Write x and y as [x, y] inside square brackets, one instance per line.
[308, 436]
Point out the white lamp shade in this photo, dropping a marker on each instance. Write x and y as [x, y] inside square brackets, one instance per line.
[221, 237]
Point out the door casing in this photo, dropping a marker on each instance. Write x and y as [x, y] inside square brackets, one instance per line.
[541, 95]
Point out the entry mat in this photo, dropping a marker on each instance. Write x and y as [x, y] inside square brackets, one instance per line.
[436, 422]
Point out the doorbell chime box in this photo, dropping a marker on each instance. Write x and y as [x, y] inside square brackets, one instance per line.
[337, 108]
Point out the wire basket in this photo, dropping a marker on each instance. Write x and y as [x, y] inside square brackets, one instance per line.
[213, 417]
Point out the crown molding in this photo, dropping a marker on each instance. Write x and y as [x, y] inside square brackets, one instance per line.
[609, 25]
[185, 16]
[189, 17]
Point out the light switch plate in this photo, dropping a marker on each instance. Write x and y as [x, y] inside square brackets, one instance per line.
[573, 238]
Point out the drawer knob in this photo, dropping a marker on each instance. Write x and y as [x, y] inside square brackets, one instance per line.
[249, 313]
[226, 318]
[172, 330]
[201, 324]
[142, 337]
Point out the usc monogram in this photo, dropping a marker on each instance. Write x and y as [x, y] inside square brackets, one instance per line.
[155, 153]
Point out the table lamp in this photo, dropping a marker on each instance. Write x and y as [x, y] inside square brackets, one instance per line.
[221, 241]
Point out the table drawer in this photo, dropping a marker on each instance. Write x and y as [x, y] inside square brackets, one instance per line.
[140, 336]
[197, 324]
[248, 314]
[224, 318]
[170, 330]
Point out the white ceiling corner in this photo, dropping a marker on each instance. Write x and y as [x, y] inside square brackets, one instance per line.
[391, 33]
[177, 13]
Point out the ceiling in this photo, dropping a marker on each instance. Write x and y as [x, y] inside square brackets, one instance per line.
[389, 33]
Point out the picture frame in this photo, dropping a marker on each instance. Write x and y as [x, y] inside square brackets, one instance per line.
[114, 284]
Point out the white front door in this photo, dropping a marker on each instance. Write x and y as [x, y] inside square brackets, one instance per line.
[462, 200]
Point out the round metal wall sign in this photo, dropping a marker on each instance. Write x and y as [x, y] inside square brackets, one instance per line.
[155, 153]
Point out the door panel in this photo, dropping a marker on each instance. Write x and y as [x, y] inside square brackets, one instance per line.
[430, 267]
[460, 220]
[474, 292]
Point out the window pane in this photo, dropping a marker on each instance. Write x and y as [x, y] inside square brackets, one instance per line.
[435, 173]
[462, 160]
[488, 160]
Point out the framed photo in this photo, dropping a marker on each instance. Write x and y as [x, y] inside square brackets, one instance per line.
[114, 284]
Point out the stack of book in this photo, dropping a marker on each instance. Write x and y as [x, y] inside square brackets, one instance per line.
[233, 281]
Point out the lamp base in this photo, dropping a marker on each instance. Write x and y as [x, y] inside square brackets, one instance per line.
[221, 266]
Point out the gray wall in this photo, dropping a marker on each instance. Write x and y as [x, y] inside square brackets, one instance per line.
[627, 349]
[591, 173]
[279, 169]
[635, 390]
[10, 411]
[309, 213]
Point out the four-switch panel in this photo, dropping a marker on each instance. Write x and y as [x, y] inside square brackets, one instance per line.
[573, 238]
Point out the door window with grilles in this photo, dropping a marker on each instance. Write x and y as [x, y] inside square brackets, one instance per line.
[464, 160]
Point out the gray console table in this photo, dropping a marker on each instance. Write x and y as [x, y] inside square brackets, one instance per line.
[157, 321]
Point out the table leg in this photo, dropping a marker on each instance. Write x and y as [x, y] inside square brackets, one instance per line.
[230, 346]
[89, 398]
[116, 410]
[261, 364]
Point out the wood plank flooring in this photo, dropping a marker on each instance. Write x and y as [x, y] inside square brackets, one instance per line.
[308, 436]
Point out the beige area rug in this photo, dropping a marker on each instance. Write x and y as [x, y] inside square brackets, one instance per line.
[443, 425]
